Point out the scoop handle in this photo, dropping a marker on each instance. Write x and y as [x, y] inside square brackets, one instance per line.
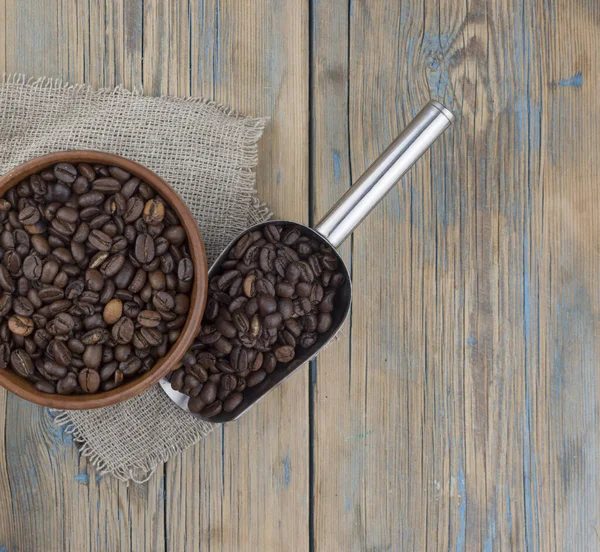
[384, 173]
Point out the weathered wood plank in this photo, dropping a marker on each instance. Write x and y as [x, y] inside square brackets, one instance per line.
[246, 486]
[57, 502]
[449, 429]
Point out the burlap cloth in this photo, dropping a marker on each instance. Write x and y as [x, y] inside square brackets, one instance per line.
[207, 153]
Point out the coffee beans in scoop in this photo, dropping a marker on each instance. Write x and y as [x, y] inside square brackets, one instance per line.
[272, 296]
[95, 278]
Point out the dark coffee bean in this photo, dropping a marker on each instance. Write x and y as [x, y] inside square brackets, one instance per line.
[92, 356]
[108, 370]
[227, 385]
[309, 322]
[337, 280]
[209, 392]
[29, 215]
[266, 304]
[144, 248]
[21, 325]
[290, 235]
[61, 324]
[185, 270]
[67, 385]
[45, 387]
[40, 245]
[60, 352]
[138, 281]
[122, 331]
[89, 213]
[65, 172]
[232, 402]
[106, 185]
[22, 363]
[266, 259]
[157, 280]
[316, 293]
[112, 265]
[163, 301]
[123, 278]
[285, 289]
[223, 345]
[284, 353]
[302, 306]
[269, 363]
[130, 366]
[272, 233]
[94, 280]
[133, 209]
[327, 304]
[6, 302]
[226, 328]
[54, 370]
[91, 199]
[99, 240]
[97, 336]
[6, 280]
[131, 309]
[324, 321]
[120, 174]
[119, 244]
[212, 409]
[22, 306]
[82, 233]
[60, 305]
[99, 222]
[182, 304]
[255, 378]
[265, 287]
[238, 251]
[149, 318]
[32, 267]
[205, 359]
[89, 380]
[151, 335]
[81, 185]
[130, 187]
[308, 340]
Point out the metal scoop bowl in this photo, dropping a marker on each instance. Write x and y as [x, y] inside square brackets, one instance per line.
[335, 227]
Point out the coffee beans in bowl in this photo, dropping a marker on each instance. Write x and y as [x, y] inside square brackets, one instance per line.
[270, 300]
[100, 277]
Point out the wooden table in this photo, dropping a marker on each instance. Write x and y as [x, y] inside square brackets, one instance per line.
[459, 410]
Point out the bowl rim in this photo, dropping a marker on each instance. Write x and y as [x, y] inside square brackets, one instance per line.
[24, 388]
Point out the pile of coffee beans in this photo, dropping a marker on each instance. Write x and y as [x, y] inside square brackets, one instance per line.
[95, 278]
[273, 295]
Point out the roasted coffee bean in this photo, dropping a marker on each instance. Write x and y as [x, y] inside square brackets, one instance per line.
[65, 172]
[212, 409]
[232, 402]
[130, 366]
[255, 378]
[32, 268]
[20, 325]
[60, 352]
[92, 356]
[123, 330]
[149, 318]
[89, 380]
[22, 363]
[22, 306]
[269, 363]
[163, 301]
[67, 385]
[99, 240]
[209, 392]
[324, 322]
[151, 335]
[6, 302]
[144, 248]
[285, 353]
[266, 304]
[45, 387]
[97, 336]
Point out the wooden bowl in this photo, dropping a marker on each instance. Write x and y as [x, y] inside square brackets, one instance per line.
[24, 388]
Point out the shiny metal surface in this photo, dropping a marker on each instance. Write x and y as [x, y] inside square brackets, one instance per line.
[339, 223]
[384, 173]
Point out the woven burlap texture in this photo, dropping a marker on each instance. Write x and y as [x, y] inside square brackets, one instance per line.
[207, 153]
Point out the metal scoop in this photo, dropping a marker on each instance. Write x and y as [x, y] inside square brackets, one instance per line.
[335, 227]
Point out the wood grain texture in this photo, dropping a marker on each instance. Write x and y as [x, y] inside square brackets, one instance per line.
[459, 409]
